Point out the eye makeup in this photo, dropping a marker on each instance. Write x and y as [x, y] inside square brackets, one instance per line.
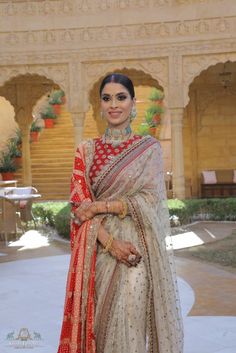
[121, 96]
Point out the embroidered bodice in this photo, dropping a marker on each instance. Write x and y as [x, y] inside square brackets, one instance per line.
[105, 152]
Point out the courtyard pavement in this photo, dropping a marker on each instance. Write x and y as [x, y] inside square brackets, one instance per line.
[33, 277]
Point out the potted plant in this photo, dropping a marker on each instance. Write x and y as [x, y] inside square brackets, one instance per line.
[153, 117]
[157, 96]
[34, 131]
[57, 98]
[14, 151]
[48, 116]
[153, 114]
[18, 137]
[7, 166]
[143, 129]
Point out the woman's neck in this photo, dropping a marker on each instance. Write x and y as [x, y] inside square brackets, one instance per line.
[117, 135]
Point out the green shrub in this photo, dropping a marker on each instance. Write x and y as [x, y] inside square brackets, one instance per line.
[57, 214]
[47, 211]
[62, 221]
[203, 209]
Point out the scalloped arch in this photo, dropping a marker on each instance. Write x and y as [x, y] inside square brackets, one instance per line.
[195, 66]
[152, 70]
[138, 77]
[57, 74]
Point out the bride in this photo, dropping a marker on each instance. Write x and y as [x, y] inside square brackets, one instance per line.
[121, 294]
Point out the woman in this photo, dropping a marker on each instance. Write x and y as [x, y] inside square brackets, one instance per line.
[121, 292]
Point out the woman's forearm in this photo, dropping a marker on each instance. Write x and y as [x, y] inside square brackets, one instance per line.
[109, 207]
[103, 235]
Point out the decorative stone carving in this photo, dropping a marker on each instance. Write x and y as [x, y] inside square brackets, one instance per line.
[49, 7]
[95, 36]
[157, 68]
[57, 73]
[194, 65]
[223, 25]
[182, 28]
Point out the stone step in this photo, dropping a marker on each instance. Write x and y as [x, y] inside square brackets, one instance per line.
[52, 159]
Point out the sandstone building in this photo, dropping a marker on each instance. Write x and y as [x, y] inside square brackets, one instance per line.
[185, 47]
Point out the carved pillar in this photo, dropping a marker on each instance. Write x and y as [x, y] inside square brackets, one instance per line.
[23, 117]
[177, 152]
[78, 121]
[26, 161]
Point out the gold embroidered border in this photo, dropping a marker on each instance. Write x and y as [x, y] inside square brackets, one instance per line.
[106, 310]
[105, 178]
[138, 220]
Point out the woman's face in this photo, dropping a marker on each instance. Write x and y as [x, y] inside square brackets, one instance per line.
[116, 105]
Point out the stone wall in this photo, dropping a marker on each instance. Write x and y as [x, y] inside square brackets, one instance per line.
[209, 138]
[7, 122]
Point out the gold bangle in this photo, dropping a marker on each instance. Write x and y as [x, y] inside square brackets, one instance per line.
[108, 244]
[124, 210]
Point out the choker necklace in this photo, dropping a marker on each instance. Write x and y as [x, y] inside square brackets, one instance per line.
[117, 136]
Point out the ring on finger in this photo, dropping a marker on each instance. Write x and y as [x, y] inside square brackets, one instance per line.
[132, 258]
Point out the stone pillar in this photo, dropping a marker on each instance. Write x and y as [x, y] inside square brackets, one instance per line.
[177, 152]
[78, 121]
[24, 118]
[26, 160]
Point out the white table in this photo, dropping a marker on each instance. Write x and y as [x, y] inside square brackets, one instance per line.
[13, 214]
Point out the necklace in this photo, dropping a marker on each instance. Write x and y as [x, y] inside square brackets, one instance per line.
[116, 136]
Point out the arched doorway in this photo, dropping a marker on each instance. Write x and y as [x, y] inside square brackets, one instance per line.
[48, 156]
[209, 124]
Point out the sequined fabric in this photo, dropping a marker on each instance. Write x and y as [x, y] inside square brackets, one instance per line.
[109, 307]
[104, 153]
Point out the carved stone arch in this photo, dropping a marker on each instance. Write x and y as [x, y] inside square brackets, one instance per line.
[35, 85]
[57, 73]
[194, 65]
[138, 77]
[154, 69]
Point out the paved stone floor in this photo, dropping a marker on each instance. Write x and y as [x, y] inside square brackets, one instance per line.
[33, 277]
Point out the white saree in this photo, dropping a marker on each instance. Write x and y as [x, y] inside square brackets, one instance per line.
[137, 309]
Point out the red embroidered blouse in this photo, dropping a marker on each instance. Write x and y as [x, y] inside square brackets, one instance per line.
[105, 152]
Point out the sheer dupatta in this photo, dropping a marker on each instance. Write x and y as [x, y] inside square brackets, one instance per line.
[136, 174]
[77, 334]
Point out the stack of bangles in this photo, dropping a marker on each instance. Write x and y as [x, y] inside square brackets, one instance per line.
[108, 244]
[124, 210]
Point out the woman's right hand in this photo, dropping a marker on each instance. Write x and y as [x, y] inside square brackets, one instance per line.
[124, 251]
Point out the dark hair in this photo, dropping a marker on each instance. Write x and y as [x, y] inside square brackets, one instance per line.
[119, 78]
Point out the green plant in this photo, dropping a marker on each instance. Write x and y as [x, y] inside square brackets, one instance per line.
[35, 127]
[13, 149]
[156, 94]
[7, 163]
[18, 137]
[143, 129]
[56, 97]
[48, 113]
[62, 221]
[149, 117]
[155, 109]
[46, 211]
[188, 211]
